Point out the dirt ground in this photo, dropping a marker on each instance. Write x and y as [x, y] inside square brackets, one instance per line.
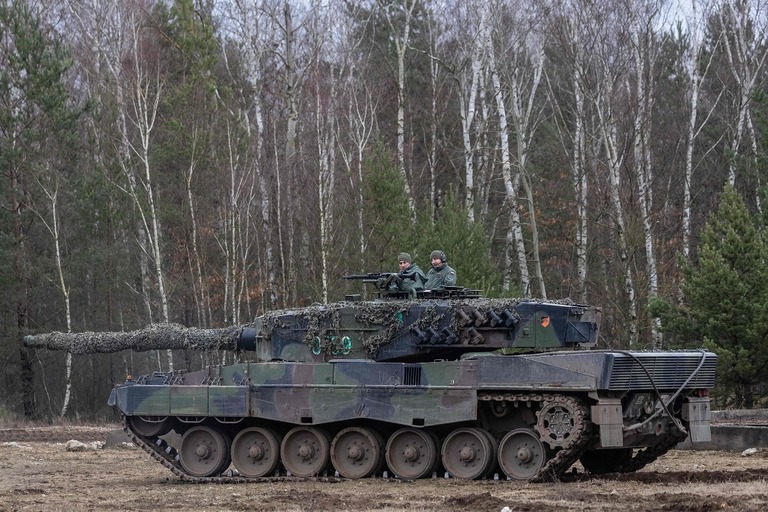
[38, 473]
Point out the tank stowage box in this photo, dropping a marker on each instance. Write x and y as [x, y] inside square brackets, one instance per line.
[409, 386]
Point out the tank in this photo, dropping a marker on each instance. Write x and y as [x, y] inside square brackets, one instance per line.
[441, 383]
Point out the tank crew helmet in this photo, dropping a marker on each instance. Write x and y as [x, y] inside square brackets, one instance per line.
[404, 256]
[438, 255]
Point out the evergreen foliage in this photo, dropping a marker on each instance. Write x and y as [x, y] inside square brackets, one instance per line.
[465, 244]
[388, 229]
[246, 102]
[37, 134]
[726, 301]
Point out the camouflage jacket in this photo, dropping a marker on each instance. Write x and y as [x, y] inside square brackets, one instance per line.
[411, 278]
[440, 277]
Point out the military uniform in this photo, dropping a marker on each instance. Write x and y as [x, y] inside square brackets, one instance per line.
[438, 278]
[411, 278]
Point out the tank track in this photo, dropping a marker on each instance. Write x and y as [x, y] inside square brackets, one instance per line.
[160, 450]
[576, 444]
[647, 455]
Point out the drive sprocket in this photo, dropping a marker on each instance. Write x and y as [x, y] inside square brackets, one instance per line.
[560, 420]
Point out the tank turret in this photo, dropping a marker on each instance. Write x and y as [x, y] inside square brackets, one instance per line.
[422, 329]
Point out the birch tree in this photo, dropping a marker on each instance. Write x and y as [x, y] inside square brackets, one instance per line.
[573, 43]
[515, 243]
[360, 123]
[246, 175]
[189, 138]
[746, 33]
[116, 34]
[469, 80]
[292, 80]
[696, 72]
[399, 18]
[643, 18]
[612, 61]
[145, 87]
[433, 31]
[523, 50]
[52, 194]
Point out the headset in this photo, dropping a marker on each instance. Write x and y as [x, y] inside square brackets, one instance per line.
[440, 255]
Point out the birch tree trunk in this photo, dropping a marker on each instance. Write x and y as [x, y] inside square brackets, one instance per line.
[615, 159]
[523, 53]
[247, 173]
[525, 115]
[515, 245]
[196, 266]
[434, 71]
[360, 124]
[147, 90]
[468, 90]
[692, 58]
[52, 193]
[567, 31]
[325, 131]
[579, 174]
[402, 40]
[644, 58]
[139, 95]
[746, 51]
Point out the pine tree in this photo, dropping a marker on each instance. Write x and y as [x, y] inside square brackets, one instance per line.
[36, 140]
[386, 218]
[726, 300]
[465, 244]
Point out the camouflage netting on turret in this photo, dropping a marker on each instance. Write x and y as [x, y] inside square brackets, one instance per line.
[153, 337]
[320, 323]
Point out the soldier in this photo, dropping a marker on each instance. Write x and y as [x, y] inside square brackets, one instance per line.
[411, 277]
[440, 275]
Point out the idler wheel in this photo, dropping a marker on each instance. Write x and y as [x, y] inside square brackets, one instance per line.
[356, 452]
[469, 453]
[305, 451]
[204, 451]
[256, 452]
[521, 454]
[150, 426]
[411, 453]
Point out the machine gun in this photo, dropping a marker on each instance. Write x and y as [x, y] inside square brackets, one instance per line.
[388, 288]
[382, 280]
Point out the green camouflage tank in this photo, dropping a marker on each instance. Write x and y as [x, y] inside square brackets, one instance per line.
[445, 382]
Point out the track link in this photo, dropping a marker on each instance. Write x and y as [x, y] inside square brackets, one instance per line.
[647, 455]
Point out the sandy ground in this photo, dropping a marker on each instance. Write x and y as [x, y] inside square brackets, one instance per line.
[38, 473]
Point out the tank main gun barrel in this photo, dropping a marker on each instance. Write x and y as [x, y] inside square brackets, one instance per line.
[153, 337]
[420, 329]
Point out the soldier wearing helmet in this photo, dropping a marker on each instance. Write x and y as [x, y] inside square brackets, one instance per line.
[440, 275]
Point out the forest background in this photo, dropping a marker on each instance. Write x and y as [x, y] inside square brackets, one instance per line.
[205, 161]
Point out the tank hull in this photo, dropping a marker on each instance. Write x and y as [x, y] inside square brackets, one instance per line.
[475, 415]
